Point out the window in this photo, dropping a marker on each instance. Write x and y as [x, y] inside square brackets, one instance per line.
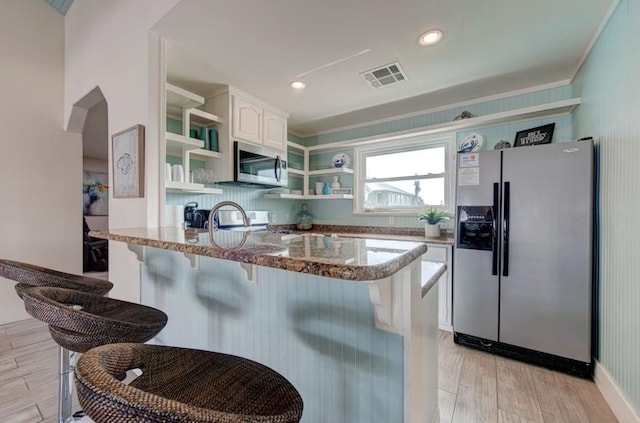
[404, 176]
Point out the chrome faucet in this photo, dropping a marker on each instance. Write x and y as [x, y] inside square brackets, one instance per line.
[213, 225]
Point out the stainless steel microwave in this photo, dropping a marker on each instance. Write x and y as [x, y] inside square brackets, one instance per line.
[255, 165]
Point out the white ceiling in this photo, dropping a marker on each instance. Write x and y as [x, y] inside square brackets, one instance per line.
[489, 47]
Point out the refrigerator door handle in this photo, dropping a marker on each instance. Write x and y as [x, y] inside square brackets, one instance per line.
[494, 223]
[505, 229]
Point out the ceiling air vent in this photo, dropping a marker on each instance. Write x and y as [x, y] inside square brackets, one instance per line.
[384, 75]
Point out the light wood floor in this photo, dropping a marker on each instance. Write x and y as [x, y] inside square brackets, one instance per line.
[28, 373]
[480, 387]
[474, 386]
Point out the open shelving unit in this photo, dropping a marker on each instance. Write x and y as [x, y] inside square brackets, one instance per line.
[190, 188]
[181, 98]
[182, 104]
[547, 110]
[177, 141]
[306, 174]
[309, 197]
[205, 154]
[333, 171]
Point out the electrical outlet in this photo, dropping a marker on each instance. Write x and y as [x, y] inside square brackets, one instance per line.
[274, 218]
[392, 220]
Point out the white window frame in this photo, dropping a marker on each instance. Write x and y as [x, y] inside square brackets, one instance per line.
[410, 142]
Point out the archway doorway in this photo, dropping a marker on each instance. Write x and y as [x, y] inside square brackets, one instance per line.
[89, 117]
[95, 187]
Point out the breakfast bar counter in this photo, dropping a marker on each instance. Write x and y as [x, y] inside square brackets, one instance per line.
[350, 321]
[333, 255]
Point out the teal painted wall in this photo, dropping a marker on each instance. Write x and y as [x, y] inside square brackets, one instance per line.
[317, 332]
[610, 112]
[478, 109]
[341, 212]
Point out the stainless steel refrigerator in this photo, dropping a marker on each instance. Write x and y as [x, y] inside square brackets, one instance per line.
[522, 282]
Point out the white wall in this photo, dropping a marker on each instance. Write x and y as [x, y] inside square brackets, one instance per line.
[108, 45]
[95, 134]
[95, 165]
[40, 164]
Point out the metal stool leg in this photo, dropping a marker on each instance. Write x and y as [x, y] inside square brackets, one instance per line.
[66, 367]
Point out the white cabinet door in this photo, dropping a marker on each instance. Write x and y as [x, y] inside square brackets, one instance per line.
[247, 121]
[442, 254]
[275, 131]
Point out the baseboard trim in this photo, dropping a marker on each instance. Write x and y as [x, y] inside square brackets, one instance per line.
[444, 326]
[613, 395]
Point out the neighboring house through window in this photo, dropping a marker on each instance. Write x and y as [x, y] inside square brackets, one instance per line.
[406, 175]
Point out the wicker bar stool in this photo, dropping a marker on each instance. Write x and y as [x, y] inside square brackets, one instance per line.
[29, 275]
[79, 321]
[182, 385]
[32, 275]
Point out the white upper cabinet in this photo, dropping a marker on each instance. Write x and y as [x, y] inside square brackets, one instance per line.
[275, 131]
[246, 120]
[249, 119]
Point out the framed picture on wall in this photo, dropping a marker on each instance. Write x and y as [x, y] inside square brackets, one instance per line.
[95, 193]
[538, 135]
[128, 163]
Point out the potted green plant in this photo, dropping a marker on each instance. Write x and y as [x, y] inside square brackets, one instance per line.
[432, 218]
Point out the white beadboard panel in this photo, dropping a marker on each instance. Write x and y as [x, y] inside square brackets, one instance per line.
[317, 332]
[294, 138]
[610, 112]
[249, 198]
[478, 109]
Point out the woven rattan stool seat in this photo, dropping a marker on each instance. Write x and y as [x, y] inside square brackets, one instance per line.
[182, 385]
[30, 275]
[80, 321]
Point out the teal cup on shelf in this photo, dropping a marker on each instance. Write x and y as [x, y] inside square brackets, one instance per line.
[213, 140]
[203, 137]
[193, 133]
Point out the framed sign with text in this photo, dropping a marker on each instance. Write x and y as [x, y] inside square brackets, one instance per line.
[538, 135]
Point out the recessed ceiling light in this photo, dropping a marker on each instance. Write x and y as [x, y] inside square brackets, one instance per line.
[298, 85]
[430, 37]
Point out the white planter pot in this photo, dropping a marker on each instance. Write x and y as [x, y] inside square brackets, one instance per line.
[432, 231]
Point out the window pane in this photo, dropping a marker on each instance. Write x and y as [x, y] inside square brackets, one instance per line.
[409, 193]
[406, 163]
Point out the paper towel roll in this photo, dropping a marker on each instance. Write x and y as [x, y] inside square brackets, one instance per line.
[174, 216]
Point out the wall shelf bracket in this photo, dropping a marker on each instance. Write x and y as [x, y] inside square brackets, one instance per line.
[138, 250]
[250, 271]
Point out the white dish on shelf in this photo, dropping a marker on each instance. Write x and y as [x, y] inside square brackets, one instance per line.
[296, 191]
[341, 160]
[472, 143]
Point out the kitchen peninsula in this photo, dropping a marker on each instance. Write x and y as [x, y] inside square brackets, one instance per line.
[351, 322]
